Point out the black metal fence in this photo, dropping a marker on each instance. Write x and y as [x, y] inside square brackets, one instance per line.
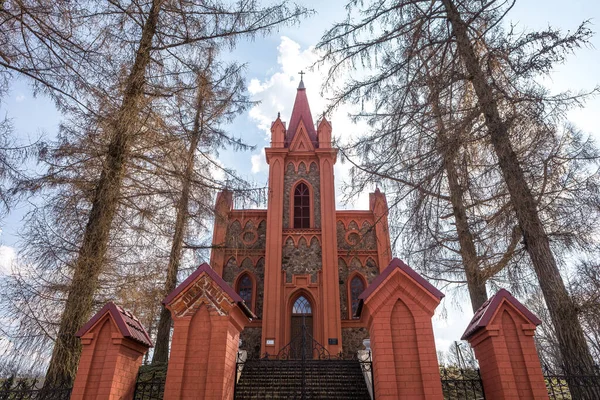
[584, 384]
[13, 388]
[461, 384]
[150, 384]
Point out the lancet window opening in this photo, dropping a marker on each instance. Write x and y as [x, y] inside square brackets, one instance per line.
[357, 286]
[301, 206]
[245, 288]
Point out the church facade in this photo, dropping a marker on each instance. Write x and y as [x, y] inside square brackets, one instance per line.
[301, 263]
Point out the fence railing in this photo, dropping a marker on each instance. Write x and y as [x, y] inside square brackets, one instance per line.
[583, 384]
[457, 384]
[150, 384]
[25, 388]
[461, 384]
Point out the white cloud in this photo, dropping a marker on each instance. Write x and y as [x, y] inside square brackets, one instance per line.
[20, 98]
[7, 256]
[277, 93]
[217, 170]
[258, 162]
[451, 320]
[255, 86]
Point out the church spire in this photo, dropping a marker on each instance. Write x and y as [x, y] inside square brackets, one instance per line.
[301, 112]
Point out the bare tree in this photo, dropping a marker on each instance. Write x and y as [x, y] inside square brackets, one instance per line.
[84, 53]
[215, 96]
[586, 292]
[469, 46]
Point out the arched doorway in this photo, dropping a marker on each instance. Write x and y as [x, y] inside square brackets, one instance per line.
[301, 329]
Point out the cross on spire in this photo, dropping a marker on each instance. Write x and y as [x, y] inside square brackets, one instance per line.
[301, 85]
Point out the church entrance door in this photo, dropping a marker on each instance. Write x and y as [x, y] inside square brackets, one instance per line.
[301, 330]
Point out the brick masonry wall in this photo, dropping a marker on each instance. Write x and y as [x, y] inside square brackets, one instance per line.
[515, 354]
[98, 359]
[409, 381]
[405, 364]
[232, 271]
[509, 363]
[290, 179]
[109, 364]
[352, 340]
[301, 260]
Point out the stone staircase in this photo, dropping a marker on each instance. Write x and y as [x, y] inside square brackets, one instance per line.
[282, 379]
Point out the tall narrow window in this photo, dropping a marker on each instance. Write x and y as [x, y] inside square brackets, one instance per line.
[245, 289]
[357, 286]
[301, 207]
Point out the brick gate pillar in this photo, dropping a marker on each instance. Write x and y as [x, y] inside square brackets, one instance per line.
[113, 345]
[208, 317]
[501, 332]
[398, 306]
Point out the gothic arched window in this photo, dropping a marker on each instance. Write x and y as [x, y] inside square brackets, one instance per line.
[302, 306]
[301, 207]
[245, 289]
[357, 286]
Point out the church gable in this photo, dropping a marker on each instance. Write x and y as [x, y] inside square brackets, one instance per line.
[204, 287]
[301, 141]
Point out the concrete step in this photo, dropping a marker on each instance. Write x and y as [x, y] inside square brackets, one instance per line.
[323, 379]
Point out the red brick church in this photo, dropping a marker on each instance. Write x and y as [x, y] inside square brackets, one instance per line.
[291, 294]
[301, 251]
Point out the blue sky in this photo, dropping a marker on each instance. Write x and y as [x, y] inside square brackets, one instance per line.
[272, 66]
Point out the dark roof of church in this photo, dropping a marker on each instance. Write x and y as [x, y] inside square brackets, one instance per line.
[205, 268]
[301, 112]
[483, 315]
[397, 263]
[129, 326]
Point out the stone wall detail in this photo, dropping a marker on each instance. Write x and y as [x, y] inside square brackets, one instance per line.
[368, 271]
[352, 340]
[257, 269]
[251, 236]
[354, 238]
[302, 260]
[289, 181]
[250, 341]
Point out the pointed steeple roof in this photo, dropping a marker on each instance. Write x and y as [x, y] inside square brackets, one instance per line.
[301, 112]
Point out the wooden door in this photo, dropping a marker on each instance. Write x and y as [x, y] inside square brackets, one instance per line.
[301, 329]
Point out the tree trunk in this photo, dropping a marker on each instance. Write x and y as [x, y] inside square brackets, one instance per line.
[161, 351]
[563, 311]
[449, 150]
[78, 307]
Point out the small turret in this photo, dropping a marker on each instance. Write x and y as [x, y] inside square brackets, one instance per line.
[324, 134]
[278, 132]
